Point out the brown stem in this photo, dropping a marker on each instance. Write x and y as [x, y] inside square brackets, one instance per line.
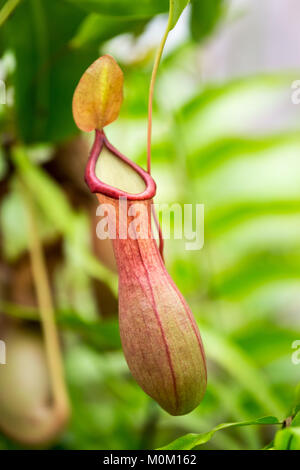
[44, 297]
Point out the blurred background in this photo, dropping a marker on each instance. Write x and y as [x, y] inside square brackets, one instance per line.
[225, 134]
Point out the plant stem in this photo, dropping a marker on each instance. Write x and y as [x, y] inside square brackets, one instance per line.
[7, 9]
[43, 292]
[151, 92]
[149, 132]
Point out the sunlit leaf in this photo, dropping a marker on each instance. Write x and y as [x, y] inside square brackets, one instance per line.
[255, 271]
[263, 342]
[228, 216]
[190, 441]
[48, 194]
[124, 8]
[221, 150]
[99, 94]
[243, 99]
[288, 439]
[296, 409]
[176, 8]
[238, 364]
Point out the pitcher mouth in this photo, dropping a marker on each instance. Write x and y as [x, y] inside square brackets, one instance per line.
[97, 186]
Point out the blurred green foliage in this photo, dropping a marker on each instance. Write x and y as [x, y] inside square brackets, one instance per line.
[204, 16]
[243, 286]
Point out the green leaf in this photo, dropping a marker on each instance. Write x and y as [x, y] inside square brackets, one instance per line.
[12, 216]
[98, 28]
[240, 366]
[209, 109]
[228, 216]
[7, 10]
[213, 93]
[296, 410]
[50, 197]
[288, 439]
[190, 441]
[48, 69]
[19, 311]
[124, 8]
[176, 8]
[254, 271]
[221, 150]
[296, 419]
[47, 193]
[102, 335]
[265, 343]
[204, 16]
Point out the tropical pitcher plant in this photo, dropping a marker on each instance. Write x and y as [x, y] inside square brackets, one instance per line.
[159, 335]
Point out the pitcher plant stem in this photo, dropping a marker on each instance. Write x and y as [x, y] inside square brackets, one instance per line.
[149, 131]
[151, 93]
[45, 304]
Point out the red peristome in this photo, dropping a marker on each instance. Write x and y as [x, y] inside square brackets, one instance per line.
[97, 186]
